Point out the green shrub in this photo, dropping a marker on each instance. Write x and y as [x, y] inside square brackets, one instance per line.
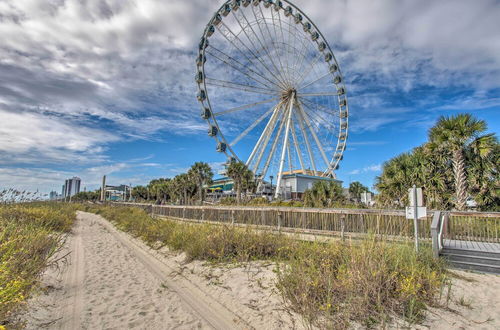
[29, 235]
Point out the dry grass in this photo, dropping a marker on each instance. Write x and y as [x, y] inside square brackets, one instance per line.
[334, 284]
[29, 235]
[331, 285]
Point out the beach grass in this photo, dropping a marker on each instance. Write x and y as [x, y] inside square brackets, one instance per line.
[30, 234]
[331, 285]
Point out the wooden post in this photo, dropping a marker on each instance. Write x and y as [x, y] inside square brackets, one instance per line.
[232, 217]
[263, 217]
[183, 213]
[342, 226]
[103, 189]
[202, 214]
[280, 215]
[435, 227]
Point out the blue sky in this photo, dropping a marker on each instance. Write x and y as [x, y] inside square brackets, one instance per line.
[106, 87]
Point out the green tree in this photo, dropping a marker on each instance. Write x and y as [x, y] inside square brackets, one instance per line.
[159, 189]
[140, 193]
[432, 166]
[454, 135]
[356, 188]
[202, 174]
[83, 196]
[324, 194]
[183, 187]
[242, 177]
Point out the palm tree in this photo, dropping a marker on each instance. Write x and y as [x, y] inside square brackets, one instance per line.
[454, 135]
[241, 176]
[324, 194]
[202, 174]
[356, 188]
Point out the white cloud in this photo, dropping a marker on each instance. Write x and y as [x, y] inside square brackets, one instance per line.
[77, 76]
[371, 168]
[31, 135]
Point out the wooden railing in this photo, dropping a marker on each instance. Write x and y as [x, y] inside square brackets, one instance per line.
[473, 226]
[390, 223]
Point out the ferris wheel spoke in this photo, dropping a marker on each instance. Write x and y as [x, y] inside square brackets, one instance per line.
[318, 116]
[283, 66]
[315, 81]
[227, 33]
[248, 49]
[251, 127]
[285, 144]
[242, 87]
[317, 106]
[269, 133]
[306, 139]
[260, 19]
[235, 64]
[266, 49]
[244, 107]
[309, 69]
[320, 94]
[270, 123]
[315, 137]
[243, 28]
[297, 146]
[305, 46]
[273, 147]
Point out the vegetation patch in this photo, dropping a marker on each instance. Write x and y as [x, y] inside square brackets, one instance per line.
[331, 285]
[29, 235]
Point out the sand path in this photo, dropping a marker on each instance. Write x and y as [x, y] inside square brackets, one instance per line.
[112, 282]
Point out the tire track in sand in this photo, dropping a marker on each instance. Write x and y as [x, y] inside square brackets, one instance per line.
[199, 302]
[72, 281]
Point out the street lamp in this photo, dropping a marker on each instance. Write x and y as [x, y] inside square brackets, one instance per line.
[271, 177]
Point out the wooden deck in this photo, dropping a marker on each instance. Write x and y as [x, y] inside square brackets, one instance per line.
[471, 245]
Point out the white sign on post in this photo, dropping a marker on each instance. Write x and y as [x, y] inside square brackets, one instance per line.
[411, 197]
[421, 212]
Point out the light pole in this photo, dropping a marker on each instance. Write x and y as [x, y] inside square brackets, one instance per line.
[271, 177]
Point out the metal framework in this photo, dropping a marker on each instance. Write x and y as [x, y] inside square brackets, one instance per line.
[268, 82]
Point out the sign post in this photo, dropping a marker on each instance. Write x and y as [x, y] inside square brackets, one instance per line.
[415, 216]
[416, 209]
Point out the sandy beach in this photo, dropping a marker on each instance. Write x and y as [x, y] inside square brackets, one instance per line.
[109, 280]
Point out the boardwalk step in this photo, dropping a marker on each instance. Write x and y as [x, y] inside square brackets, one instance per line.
[477, 267]
[483, 260]
[473, 253]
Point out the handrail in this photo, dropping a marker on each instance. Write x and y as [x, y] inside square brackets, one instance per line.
[435, 233]
[440, 234]
[281, 208]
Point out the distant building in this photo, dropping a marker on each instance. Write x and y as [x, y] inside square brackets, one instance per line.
[53, 195]
[118, 193]
[71, 187]
[295, 183]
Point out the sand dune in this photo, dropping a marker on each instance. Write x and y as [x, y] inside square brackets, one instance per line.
[113, 281]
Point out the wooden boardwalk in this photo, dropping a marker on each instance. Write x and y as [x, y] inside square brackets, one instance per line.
[471, 245]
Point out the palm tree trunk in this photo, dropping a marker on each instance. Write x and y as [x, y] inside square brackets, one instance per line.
[201, 193]
[238, 194]
[460, 179]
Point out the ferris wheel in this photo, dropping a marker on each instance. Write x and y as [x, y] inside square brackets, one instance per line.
[271, 90]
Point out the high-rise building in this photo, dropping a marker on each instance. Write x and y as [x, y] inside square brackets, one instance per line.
[71, 187]
[53, 195]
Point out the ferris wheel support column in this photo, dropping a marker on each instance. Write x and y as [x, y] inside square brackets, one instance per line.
[285, 144]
